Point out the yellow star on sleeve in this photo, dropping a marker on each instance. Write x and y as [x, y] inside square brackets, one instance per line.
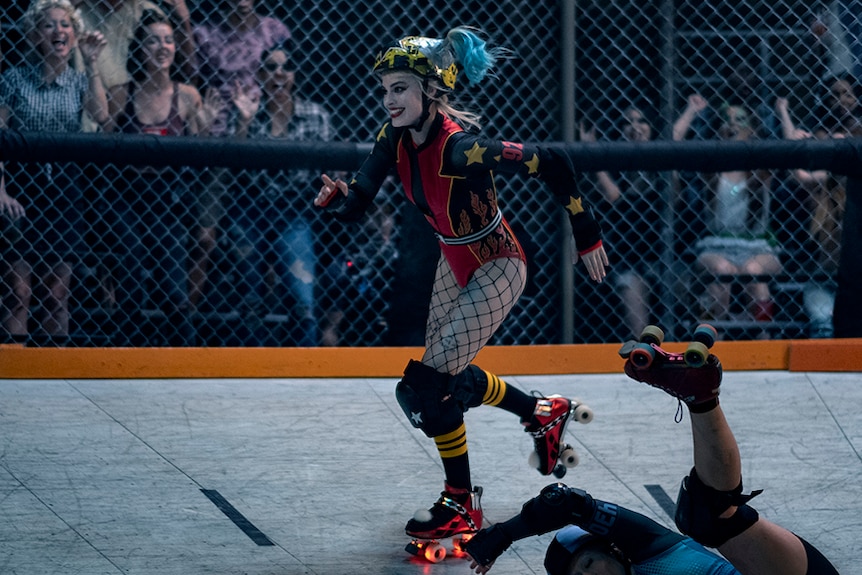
[474, 154]
[575, 206]
[533, 164]
[382, 133]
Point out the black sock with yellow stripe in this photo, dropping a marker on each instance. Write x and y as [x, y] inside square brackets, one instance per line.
[453, 452]
[499, 394]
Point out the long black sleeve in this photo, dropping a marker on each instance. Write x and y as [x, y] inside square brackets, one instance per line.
[468, 152]
[365, 184]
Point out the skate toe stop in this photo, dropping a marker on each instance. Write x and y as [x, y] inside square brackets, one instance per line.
[422, 516]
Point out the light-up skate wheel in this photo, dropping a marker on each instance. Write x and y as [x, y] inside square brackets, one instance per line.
[435, 553]
[459, 542]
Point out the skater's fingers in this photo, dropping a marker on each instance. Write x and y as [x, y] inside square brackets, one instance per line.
[474, 565]
[326, 190]
[595, 262]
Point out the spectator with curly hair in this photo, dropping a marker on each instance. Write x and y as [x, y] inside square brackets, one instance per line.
[41, 203]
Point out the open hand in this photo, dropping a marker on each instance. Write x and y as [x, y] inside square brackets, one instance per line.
[91, 45]
[246, 99]
[10, 207]
[328, 188]
[596, 261]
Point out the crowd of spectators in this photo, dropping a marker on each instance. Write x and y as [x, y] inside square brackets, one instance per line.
[185, 242]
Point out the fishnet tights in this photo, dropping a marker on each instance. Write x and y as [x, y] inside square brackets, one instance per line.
[461, 321]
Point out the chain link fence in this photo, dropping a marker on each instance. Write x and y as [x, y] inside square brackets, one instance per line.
[149, 256]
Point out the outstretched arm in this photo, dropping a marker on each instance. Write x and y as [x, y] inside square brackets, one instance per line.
[347, 202]
[558, 506]
[91, 45]
[557, 171]
[696, 104]
[9, 206]
[791, 132]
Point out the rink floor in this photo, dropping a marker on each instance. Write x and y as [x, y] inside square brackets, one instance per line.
[319, 476]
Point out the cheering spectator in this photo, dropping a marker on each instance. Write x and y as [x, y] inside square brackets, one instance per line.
[42, 232]
[151, 202]
[271, 223]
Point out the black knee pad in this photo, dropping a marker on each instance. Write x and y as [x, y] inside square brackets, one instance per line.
[423, 393]
[698, 508]
[469, 386]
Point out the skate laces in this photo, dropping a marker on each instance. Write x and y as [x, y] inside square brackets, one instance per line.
[659, 381]
[544, 408]
[543, 430]
[448, 502]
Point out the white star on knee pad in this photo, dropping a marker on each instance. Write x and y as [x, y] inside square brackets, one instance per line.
[416, 417]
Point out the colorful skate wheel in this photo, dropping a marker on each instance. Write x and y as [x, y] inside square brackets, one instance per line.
[642, 355]
[652, 334]
[435, 553]
[569, 457]
[696, 354]
[459, 542]
[583, 414]
[705, 334]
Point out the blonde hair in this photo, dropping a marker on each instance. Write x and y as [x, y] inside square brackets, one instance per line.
[36, 12]
[464, 118]
[435, 92]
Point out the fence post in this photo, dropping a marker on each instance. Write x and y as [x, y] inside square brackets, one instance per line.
[567, 45]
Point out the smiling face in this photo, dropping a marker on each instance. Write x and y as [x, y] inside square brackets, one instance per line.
[595, 563]
[635, 126]
[54, 35]
[402, 98]
[159, 47]
[842, 97]
[276, 75]
[736, 125]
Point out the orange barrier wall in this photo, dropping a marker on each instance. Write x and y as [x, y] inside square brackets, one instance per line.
[123, 363]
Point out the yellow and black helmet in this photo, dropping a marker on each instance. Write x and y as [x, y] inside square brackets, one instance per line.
[412, 55]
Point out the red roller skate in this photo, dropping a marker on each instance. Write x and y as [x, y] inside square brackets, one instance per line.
[457, 514]
[693, 377]
[548, 427]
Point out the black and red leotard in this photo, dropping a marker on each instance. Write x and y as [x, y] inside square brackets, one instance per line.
[450, 178]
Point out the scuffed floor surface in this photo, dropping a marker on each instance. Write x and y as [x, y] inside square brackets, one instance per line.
[319, 476]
